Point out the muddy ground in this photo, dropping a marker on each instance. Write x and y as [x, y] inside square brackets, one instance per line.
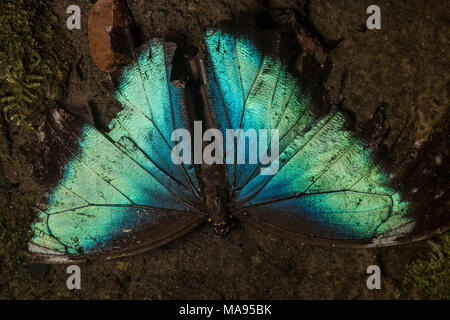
[402, 67]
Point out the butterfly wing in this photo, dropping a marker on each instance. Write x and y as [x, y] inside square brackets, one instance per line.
[328, 187]
[120, 192]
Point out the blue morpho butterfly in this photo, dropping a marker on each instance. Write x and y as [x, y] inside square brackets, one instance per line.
[121, 193]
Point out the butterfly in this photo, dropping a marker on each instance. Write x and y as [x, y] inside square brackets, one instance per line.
[121, 193]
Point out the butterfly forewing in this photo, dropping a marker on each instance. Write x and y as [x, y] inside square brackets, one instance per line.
[329, 187]
[121, 190]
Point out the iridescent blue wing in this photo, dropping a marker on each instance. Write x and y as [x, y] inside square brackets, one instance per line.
[120, 191]
[328, 186]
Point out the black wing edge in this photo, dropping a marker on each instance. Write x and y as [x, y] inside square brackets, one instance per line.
[162, 232]
[388, 240]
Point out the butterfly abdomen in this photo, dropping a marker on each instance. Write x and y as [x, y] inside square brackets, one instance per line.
[216, 197]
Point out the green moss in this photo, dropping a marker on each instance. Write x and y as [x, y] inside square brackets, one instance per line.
[29, 72]
[430, 278]
[15, 217]
[33, 69]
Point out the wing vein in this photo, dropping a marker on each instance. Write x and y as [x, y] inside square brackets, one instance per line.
[137, 206]
[300, 195]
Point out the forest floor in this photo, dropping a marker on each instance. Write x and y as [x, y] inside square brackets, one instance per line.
[402, 67]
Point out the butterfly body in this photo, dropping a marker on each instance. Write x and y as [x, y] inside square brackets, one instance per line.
[213, 177]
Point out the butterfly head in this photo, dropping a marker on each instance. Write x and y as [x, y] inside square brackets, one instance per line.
[218, 216]
[221, 228]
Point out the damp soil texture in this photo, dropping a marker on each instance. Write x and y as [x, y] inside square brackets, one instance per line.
[404, 68]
